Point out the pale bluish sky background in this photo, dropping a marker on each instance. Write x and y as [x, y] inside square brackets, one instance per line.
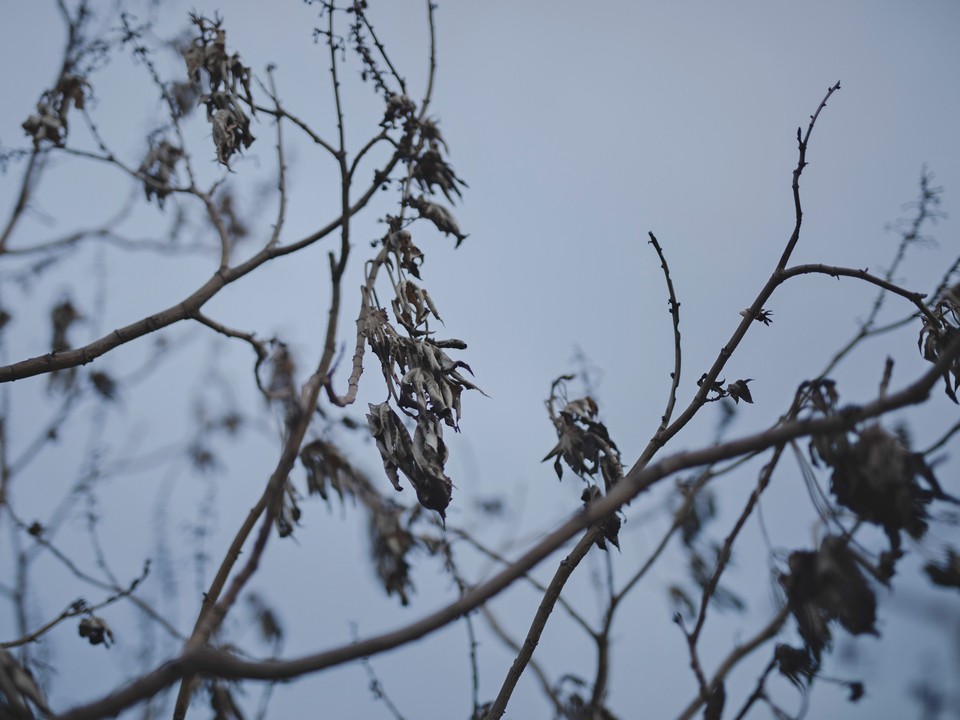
[578, 130]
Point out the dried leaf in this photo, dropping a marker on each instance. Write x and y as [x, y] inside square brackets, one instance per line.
[289, 516]
[856, 691]
[49, 123]
[716, 386]
[738, 391]
[271, 629]
[326, 465]
[17, 688]
[827, 586]
[584, 443]
[62, 317]
[440, 216]
[158, 168]
[227, 77]
[796, 665]
[421, 459]
[398, 107]
[431, 169]
[105, 385]
[96, 631]
[610, 525]
[390, 543]
[947, 573]
[763, 316]
[879, 480]
[936, 336]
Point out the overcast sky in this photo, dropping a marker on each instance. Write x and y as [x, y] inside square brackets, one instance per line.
[579, 129]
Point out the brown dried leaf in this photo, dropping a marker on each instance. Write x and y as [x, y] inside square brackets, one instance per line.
[96, 631]
[421, 459]
[431, 169]
[17, 687]
[738, 390]
[440, 216]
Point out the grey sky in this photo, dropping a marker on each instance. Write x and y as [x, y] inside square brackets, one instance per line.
[579, 130]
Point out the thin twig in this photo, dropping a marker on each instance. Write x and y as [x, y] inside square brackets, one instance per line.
[675, 316]
[27, 181]
[723, 557]
[494, 555]
[759, 691]
[250, 338]
[431, 73]
[279, 113]
[566, 568]
[939, 443]
[206, 660]
[281, 166]
[926, 212]
[514, 646]
[833, 271]
[185, 309]
[802, 142]
[74, 610]
[768, 632]
[383, 52]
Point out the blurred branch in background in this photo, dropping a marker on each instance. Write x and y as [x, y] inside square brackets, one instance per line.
[94, 449]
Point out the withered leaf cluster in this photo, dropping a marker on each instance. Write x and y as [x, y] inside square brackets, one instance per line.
[420, 459]
[424, 148]
[610, 525]
[583, 442]
[49, 123]
[736, 391]
[413, 306]
[431, 169]
[420, 376]
[408, 256]
[96, 631]
[880, 480]
[826, 586]
[423, 381]
[62, 317]
[327, 468]
[796, 665]
[282, 384]
[227, 77]
[18, 689]
[874, 474]
[391, 537]
[399, 107]
[939, 333]
[157, 169]
[390, 544]
[184, 96]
